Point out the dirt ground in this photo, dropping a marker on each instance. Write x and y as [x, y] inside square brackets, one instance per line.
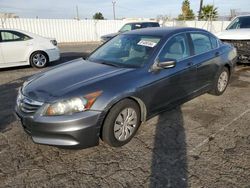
[203, 143]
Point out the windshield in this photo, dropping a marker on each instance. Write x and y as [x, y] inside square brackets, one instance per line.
[240, 22]
[126, 27]
[126, 51]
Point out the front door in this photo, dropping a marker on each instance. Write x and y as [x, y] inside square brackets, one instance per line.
[173, 84]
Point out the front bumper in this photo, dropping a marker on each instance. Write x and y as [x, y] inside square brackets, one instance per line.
[243, 49]
[80, 130]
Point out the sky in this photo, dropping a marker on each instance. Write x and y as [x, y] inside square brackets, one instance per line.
[124, 8]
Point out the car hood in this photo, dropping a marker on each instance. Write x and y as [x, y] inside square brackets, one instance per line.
[67, 78]
[234, 34]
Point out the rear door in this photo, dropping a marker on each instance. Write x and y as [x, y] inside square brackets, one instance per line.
[14, 46]
[206, 57]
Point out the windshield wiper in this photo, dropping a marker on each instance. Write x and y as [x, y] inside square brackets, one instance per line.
[110, 63]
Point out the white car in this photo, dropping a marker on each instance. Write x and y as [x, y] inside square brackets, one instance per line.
[19, 48]
[238, 34]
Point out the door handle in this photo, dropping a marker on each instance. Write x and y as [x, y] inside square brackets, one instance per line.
[217, 54]
[190, 63]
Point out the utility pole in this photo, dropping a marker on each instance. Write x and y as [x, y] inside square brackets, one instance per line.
[77, 13]
[114, 2]
[201, 4]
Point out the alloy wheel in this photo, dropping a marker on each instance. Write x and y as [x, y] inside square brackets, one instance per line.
[39, 60]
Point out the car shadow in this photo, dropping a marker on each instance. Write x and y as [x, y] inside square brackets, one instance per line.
[8, 100]
[169, 160]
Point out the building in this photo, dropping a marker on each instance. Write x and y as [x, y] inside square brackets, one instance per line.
[8, 15]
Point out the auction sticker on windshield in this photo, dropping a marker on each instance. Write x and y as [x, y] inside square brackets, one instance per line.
[147, 43]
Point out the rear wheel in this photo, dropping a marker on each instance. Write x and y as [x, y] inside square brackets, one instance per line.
[221, 82]
[39, 59]
[121, 123]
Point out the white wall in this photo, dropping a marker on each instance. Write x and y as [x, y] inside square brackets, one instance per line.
[66, 30]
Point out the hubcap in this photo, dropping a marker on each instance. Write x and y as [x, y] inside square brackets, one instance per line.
[39, 60]
[222, 82]
[125, 124]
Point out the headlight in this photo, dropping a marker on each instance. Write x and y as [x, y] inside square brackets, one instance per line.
[73, 105]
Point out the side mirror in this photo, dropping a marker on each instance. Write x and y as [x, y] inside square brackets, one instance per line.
[167, 64]
[158, 65]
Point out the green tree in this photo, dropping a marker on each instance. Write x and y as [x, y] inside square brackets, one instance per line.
[187, 12]
[209, 12]
[98, 16]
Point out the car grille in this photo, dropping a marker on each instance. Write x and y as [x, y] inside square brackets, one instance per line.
[27, 105]
[243, 46]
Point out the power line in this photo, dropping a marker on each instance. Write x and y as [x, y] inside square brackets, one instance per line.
[77, 13]
[114, 2]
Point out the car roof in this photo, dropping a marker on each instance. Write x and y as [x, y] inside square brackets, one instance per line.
[162, 31]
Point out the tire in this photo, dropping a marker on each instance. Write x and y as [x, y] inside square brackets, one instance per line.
[221, 82]
[39, 59]
[115, 131]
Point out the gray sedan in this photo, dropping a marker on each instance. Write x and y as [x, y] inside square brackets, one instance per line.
[126, 81]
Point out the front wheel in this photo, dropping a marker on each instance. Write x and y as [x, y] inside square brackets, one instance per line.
[121, 123]
[221, 82]
[39, 59]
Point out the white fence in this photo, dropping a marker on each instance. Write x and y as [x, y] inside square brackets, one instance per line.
[66, 30]
[212, 26]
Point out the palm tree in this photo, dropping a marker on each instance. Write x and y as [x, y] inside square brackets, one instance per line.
[201, 5]
[209, 12]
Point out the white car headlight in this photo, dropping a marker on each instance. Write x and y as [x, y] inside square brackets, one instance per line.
[73, 105]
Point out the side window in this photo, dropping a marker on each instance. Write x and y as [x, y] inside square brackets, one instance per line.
[214, 42]
[177, 48]
[10, 36]
[201, 43]
[155, 25]
[144, 25]
[152, 24]
[137, 26]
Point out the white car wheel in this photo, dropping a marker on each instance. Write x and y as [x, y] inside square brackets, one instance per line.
[39, 59]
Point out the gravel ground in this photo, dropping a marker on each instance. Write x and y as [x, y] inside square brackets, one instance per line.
[203, 143]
